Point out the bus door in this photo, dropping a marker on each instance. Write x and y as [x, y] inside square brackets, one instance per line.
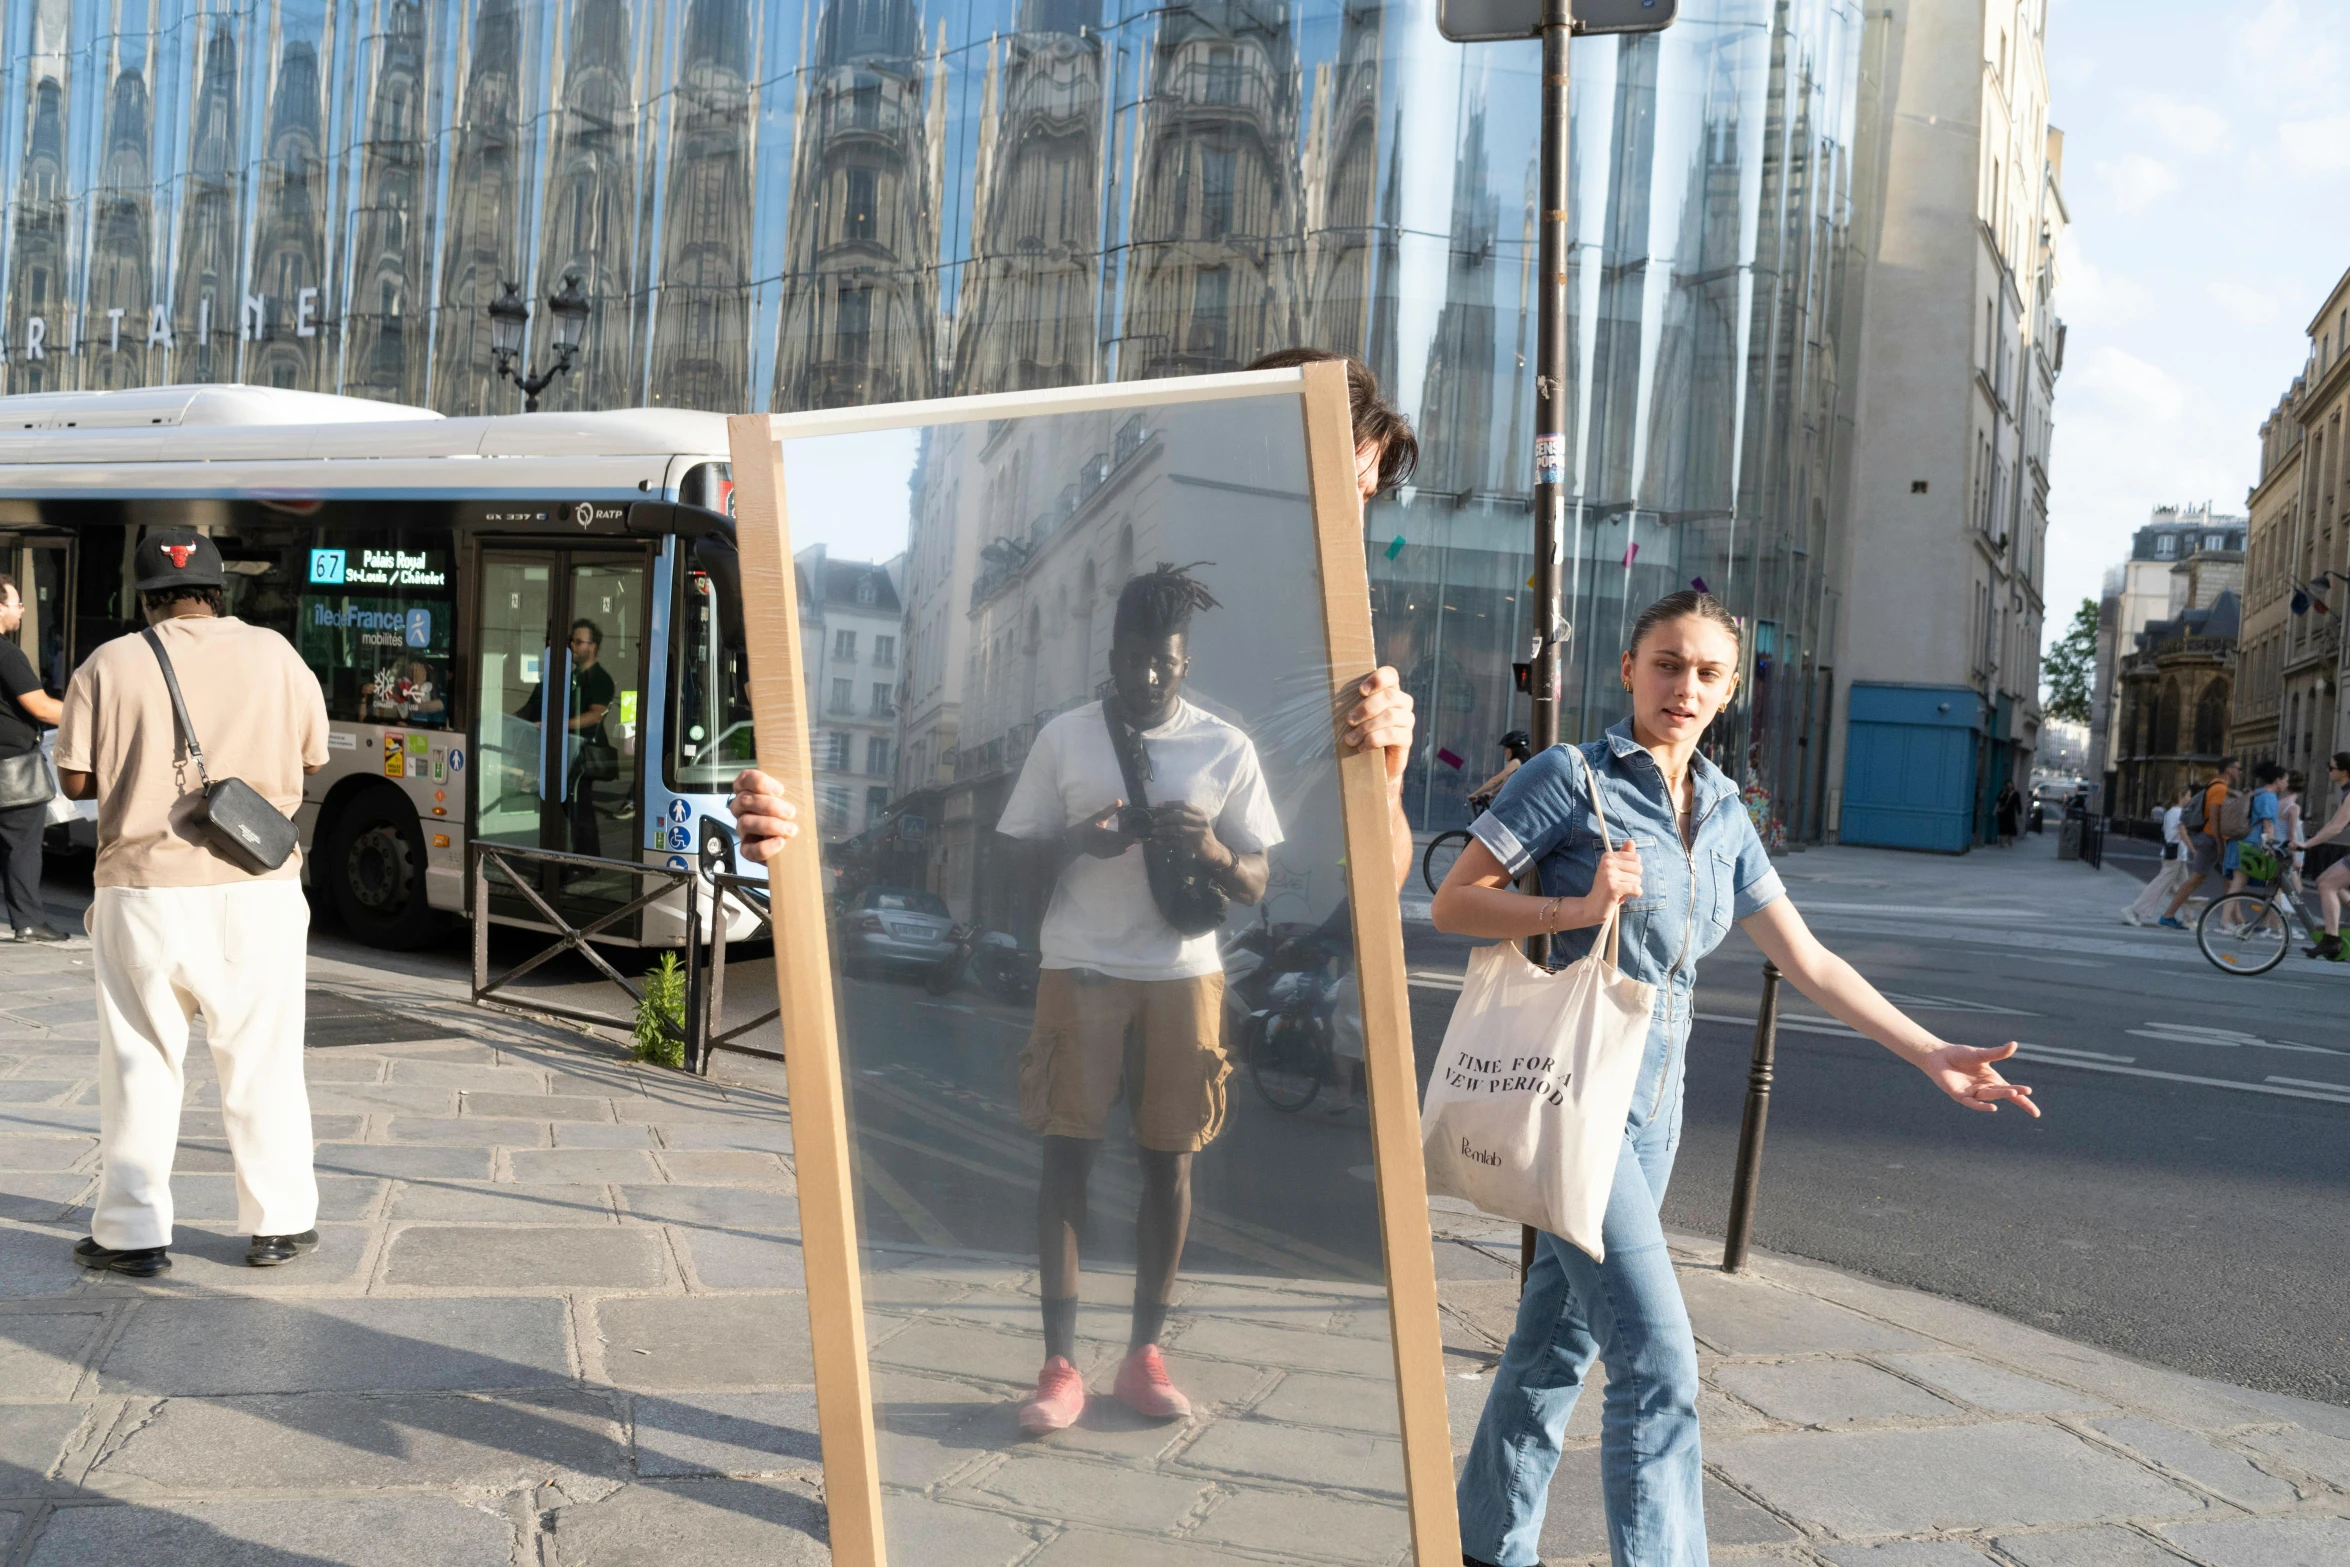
[560, 670]
[43, 566]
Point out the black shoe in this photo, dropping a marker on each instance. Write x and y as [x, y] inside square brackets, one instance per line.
[142, 1263]
[2328, 948]
[267, 1251]
[40, 933]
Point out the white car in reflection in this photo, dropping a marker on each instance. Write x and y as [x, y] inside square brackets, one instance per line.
[901, 928]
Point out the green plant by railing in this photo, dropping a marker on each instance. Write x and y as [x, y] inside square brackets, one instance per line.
[660, 1015]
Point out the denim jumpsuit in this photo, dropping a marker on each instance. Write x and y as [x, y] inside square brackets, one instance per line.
[1626, 1311]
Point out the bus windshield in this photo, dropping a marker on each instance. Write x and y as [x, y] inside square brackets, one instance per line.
[710, 713]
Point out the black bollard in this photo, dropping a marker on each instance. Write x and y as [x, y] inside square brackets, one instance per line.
[1750, 1131]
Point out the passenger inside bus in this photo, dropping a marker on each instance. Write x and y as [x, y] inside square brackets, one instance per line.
[592, 758]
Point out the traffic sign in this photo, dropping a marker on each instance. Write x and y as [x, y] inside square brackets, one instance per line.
[1500, 21]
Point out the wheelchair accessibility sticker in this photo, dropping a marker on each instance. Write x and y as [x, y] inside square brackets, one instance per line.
[681, 837]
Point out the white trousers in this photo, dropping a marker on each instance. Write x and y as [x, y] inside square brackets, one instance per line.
[2154, 902]
[237, 954]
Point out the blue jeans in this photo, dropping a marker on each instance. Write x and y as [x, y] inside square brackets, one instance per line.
[1627, 1312]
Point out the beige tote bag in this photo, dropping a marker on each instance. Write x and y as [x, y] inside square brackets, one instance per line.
[1525, 1111]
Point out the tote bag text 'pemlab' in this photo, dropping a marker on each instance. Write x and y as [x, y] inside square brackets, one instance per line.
[1525, 1111]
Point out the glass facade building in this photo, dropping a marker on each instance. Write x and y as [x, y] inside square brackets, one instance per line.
[804, 203]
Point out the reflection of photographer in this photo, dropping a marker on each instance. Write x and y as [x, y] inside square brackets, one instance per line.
[1152, 815]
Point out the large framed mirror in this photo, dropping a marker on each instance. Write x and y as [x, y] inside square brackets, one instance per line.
[1092, 980]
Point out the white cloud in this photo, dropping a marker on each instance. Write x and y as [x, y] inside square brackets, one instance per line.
[2251, 306]
[2193, 128]
[2136, 182]
[2316, 146]
[2286, 58]
[2093, 296]
[2120, 385]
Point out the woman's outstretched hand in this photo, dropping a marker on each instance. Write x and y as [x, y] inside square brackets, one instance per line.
[1966, 1074]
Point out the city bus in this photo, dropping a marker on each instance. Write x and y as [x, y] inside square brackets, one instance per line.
[528, 628]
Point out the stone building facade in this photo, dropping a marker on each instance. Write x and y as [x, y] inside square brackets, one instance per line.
[2140, 591]
[2290, 703]
[2177, 689]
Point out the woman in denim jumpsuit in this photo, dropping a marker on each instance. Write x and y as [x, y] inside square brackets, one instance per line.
[1686, 862]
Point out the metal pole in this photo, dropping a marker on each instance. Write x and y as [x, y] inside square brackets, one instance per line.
[715, 998]
[1550, 419]
[1750, 1131]
[481, 920]
[697, 1055]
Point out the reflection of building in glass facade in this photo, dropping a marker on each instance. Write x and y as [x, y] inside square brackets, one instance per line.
[290, 260]
[486, 203]
[386, 339]
[810, 203]
[122, 236]
[859, 315]
[1035, 233]
[591, 205]
[1214, 239]
[702, 331]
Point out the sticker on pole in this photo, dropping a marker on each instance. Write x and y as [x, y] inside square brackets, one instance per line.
[1550, 459]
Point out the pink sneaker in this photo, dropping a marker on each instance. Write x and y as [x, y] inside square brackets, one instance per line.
[1143, 1386]
[1058, 1401]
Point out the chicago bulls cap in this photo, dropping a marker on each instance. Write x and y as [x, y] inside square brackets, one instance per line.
[178, 558]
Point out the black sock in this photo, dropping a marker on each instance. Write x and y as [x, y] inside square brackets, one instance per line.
[1060, 1326]
[1150, 1320]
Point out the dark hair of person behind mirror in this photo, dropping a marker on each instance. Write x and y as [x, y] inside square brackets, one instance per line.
[2267, 772]
[2342, 760]
[159, 599]
[1375, 418]
[594, 631]
[1680, 606]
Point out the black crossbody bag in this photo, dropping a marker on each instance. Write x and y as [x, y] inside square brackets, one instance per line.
[1181, 884]
[233, 819]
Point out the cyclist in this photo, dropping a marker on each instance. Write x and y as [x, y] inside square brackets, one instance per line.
[1518, 745]
[2334, 881]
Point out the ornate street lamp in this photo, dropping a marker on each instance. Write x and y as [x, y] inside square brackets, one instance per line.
[509, 316]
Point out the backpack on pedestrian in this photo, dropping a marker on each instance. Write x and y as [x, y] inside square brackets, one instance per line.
[2235, 816]
[2193, 819]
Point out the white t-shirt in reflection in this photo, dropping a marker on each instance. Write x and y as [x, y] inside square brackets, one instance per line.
[1102, 915]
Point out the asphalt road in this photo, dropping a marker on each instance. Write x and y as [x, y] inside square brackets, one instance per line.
[2197, 1226]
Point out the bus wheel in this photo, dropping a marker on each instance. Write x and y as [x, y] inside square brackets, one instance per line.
[375, 870]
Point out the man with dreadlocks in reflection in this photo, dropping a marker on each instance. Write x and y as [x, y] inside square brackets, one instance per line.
[1124, 992]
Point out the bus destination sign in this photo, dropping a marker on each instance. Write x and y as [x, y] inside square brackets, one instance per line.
[378, 569]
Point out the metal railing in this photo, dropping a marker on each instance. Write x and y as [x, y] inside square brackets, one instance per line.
[753, 893]
[579, 938]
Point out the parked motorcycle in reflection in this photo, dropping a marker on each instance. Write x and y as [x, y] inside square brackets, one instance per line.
[990, 959]
[1281, 987]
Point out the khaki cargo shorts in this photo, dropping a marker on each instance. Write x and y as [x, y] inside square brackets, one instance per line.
[1163, 1036]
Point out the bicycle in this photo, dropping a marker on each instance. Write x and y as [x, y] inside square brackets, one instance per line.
[1446, 847]
[2250, 932]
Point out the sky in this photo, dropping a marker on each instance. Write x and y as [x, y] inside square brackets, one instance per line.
[2207, 173]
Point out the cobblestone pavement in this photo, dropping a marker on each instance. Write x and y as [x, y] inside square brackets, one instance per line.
[556, 1317]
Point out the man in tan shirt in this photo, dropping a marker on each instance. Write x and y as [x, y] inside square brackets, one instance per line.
[180, 930]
